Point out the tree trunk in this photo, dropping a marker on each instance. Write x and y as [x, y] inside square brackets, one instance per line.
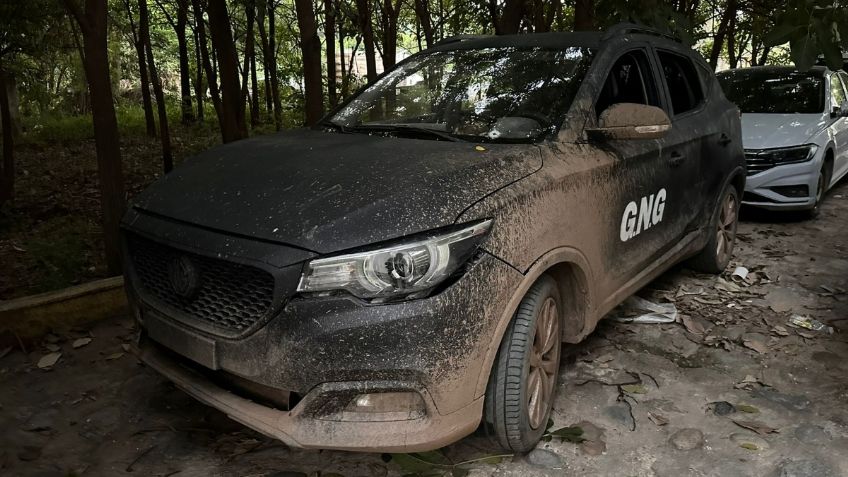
[263, 38]
[422, 12]
[249, 61]
[272, 49]
[185, 72]
[164, 133]
[146, 101]
[363, 9]
[584, 15]
[510, 20]
[233, 125]
[94, 26]
[7, 178]
[254, 99]
[724, 24]
[199, 90]
[211, 77]
[330, 41]
[310, 47]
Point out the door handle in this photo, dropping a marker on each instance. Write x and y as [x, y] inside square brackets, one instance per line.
[724, 140]
[675, 159]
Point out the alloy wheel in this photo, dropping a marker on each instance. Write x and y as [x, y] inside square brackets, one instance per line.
[726, 228]
[544, 361]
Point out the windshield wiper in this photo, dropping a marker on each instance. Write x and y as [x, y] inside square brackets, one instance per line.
[409, 128]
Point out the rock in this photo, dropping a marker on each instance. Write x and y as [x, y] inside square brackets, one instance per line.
[620, 414]
[804, 468]
[747, 441]
[811, 434]
[687, 439]
[789, 401]
[29, 453]
[41, 421]
[723, 408]
[544, 458]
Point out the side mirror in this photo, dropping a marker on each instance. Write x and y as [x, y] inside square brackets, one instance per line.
[631, 121]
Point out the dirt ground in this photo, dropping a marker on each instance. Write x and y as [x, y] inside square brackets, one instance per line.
[730, 390]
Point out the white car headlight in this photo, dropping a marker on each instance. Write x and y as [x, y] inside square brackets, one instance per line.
[406, 269]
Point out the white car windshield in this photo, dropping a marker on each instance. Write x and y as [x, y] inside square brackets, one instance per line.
[774, 91]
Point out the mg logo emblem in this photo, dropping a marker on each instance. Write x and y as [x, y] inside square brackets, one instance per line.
[184, 277]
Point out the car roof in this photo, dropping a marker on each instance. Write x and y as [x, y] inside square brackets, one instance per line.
[773, 69]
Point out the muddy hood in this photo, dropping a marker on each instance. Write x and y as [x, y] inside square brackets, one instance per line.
[327, 192]
[762, 131]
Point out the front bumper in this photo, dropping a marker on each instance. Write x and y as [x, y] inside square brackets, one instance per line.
[759, 188]
[324, 351]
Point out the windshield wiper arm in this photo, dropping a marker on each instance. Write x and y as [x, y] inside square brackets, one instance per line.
[337, 126]
[410, 128]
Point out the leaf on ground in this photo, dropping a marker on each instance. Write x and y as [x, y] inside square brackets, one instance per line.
[749, 446]
[52, 347]
[747, 408]
[5, 351]
[571, 434]
[657, 419]
[79, 343]
[634, 389]
[692, 325]
[48, 360]
[780, 330]
[756, 426]
[755, 345]
[114, 356]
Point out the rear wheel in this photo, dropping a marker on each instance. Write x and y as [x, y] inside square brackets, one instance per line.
[715, 256]
[522, 384]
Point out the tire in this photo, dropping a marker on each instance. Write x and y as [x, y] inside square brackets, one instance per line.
[821, 190]
[715, 256]
[522, 384]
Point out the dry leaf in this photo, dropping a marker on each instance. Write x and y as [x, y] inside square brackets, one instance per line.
[52, 347]
[634, 389]
[692, 325]
[757, 346]
[747, 408]
[49, 360]
[756, 426]
[657, 419]
[114, 356]
[780, 330]
[79, 343]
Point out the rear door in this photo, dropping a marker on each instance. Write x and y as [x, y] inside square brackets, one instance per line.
[684, 146]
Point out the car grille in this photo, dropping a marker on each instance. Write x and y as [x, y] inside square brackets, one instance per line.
[757, 162]
[226, 296]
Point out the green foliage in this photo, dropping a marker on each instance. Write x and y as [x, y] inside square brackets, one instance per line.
[59, 251]
[813, 28]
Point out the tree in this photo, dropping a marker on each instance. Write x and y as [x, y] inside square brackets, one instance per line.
[310, 47]
[146, 101]
[363, 13]
[330, 42]
[233, 126]
[179, 25]
[164, 133]
[91, 19]
[584, 15]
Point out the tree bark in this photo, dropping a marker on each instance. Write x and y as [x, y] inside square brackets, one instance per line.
[363, 9]
[146, 101]
[249, 63]
[422, 12]
[389, 18]
[330, 42]
[272, 49]
[7, 178]
[164, 133]
[584, 15]
[186, 107]
[93, 23]
[721, 33]
[263, 39]
[510, 19]
[233, 125]
[310, 47]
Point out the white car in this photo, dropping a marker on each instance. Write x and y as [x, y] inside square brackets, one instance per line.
[794, 131]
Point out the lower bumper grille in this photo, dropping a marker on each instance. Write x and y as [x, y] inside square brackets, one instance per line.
[228, 297]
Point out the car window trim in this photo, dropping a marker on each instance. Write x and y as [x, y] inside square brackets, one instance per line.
[841, 82]
[644, 48]
[701, 104]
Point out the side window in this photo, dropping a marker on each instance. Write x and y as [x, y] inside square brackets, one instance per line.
[837, 93]
[684, 87]
[629, 81]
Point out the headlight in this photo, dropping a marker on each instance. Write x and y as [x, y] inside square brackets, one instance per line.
[407, 269]
[790, 155]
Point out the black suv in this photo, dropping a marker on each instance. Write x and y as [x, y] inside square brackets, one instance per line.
[410, 269]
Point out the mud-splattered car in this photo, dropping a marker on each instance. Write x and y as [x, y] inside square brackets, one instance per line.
[409, 270]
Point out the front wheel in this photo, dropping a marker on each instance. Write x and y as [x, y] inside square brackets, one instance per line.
[715, 256]
[821, 189]
[522, 384]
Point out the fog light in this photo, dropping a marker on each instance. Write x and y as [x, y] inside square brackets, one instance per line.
[792, 190]
[395, 402]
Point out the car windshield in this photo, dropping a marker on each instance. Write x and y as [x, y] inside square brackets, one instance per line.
[505, 94]
[776, 92]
